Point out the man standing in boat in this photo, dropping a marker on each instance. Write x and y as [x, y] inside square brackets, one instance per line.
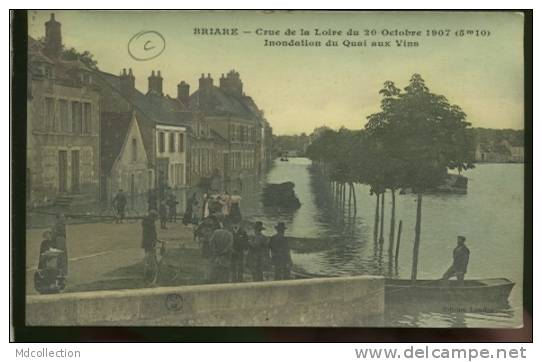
[461, 260]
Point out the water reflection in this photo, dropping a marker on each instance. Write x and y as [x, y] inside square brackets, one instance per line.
[490, 215]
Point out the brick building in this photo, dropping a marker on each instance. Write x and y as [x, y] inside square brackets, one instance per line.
[236, 121]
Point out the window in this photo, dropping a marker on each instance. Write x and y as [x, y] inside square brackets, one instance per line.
[77, 117]
[181, 142]
[172, 142]
[64, 115]
[134, 149]
[87, 120]
[161, 142]
[49, 114]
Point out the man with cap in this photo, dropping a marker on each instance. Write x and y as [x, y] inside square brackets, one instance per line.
[461, 259]
[240, 246]
[257, 248]
[280, 253]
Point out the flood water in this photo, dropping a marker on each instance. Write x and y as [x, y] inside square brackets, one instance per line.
[490, 216]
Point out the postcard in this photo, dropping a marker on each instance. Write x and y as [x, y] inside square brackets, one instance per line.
[275, 168]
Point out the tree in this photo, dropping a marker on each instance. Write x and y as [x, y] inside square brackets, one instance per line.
[85, 57]
[338, 151]
[387, 173]
[425, 135]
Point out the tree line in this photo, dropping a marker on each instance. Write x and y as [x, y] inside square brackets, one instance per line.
[411, 143]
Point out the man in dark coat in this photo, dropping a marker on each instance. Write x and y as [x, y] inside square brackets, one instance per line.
[280, 253]
[258, 247]
[152, 200]
[461, 260]
[119, 202]
[148, 228]
[172, 207]
[240, 246]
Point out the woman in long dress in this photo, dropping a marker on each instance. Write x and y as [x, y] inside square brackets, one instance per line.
[235, 208]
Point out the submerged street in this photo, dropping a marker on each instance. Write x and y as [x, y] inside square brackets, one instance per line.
[108, 255]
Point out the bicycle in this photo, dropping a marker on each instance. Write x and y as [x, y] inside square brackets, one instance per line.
[165, 268]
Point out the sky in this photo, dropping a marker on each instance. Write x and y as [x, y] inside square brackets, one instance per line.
[300, 88]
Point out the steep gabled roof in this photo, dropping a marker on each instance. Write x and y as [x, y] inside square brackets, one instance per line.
[113, 129]
[155, 107]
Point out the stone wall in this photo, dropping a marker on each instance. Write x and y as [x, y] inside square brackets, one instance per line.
[344, 301]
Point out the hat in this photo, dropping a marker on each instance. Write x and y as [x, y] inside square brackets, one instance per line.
[258, 225]
[461, 237]
[280, 226]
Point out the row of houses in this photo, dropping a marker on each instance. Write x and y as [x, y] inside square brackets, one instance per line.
[90, 133]
[504, 151]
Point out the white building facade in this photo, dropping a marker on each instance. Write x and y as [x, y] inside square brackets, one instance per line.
[171, 155]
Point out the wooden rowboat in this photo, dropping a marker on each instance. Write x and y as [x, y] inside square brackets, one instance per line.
[469, 293]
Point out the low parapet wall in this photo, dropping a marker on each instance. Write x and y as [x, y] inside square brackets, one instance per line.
[344, 301]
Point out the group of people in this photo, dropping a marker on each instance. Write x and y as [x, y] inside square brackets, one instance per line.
[229, 206]
[224, 241]
[166, 206]
[228, 248]
[53, 259]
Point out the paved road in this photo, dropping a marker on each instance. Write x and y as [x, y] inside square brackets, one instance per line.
[97, 249]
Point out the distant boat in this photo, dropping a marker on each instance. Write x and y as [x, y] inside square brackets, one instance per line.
[476, 293]
[453, 184]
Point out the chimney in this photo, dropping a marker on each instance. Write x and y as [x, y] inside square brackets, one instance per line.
[232, 84]
[127, 82]
[183, 92]
[205, 83]
[53, 38]
[155, 83]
